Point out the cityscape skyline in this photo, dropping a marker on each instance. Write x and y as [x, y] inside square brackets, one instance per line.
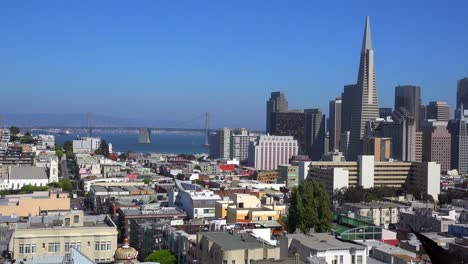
[286, 64]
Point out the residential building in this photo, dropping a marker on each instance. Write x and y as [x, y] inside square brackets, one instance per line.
[369, 173]
[196, 201]
[288, 174]
[438, 110]
[426, 220]
[240, 141]
[34, 204]
[268, 176]
[315, 133]
[382, 213]
[86, 145]
[409, 97]
[5, 135]
[379, 147]
[322, 246]
[246, 208]
[94, 235]
[220, 143]
[276, 103]
[436, 143]
[267, 152]
[233, 247]
[334, 123]
[16, 156]
[365, 105]
[385, 253]
[45, 141]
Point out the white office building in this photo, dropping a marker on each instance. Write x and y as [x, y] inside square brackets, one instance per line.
[267, 152]
[86, 145]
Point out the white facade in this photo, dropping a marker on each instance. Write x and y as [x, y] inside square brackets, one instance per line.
[18, 177]
[240, 141]
[50, 162]
[86, 145]
[267, 152]
[366, 171]
[46, 141]
[303, 170]
[197, 202]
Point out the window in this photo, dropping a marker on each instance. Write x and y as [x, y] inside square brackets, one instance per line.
[270, 218]
[108, 246]
[96, 245]
[335, 260]
[76, 219]
[359, 259]
[89, 243]
[341, 259]
[78, 245]
[54, 247]
[353, 259]
[67, 221]
[233, 262]
[103, 245]
[67, 246]
[33, 248]
[241, 205]
[21, 248]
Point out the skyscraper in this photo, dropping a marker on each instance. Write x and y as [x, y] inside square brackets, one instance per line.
[220, 143]
[402, 130]
[347, 99]
[459, 144]
[276, 103]
[334, 124]
[462, 93]
[436, 143]
[267, 152]
[365, 106]
[409, 97]
[439, 111]
[314, 133]
[240, 141]
[290, 123]
[385, 111]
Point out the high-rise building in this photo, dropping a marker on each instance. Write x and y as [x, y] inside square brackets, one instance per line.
[290, 123]
[365, 106]
[347, 99]
[288, 174]
[385, 111]
[314, 133]
[276, 103]
[436, 143]
[459, 144]
[418, 146]
[462, 93]
[422, 114]
[220, 143]
[380, 148]
[334, 124]
[344, 142]
[409, 97]
[267, 152]
[438, 110]
[402, 130]
[240, 141]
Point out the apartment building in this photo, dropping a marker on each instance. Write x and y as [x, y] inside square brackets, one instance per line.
[94, 235]
[34, 204]
[288, 174]
[383, 213]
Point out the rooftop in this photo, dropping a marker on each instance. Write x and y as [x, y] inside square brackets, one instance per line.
[375, 205]
[28, 172]
[323, 241]
[235, 241]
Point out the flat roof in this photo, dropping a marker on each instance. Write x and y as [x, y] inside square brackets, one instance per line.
[375, 205]
[323, 242]
[235, 241]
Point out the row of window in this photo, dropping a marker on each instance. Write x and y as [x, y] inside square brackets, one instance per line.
[27, 248]
[102, 245]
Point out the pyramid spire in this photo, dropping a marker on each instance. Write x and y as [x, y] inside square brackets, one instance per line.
[367, 40]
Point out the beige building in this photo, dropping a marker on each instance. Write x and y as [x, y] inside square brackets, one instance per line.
[34, 204]
[383, 213]
[267, 176]
[369, 173]
[233, 248]
[380, 147]
[54, 235]
[288, 174]
[246, 208]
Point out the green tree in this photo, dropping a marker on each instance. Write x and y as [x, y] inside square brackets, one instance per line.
[27, 134]
[68, 145]
[103, 149]
[27, 140]
[310, 208]
[69, 154]
[14, 130]
[122, 157]
[31, 188]
[66, 185]
[162, 256]
[59, 152]
[147, 181]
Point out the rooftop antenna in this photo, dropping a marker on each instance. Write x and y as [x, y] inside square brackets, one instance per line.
[207, 129]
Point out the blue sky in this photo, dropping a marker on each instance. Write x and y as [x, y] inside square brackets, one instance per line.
[174, 60]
